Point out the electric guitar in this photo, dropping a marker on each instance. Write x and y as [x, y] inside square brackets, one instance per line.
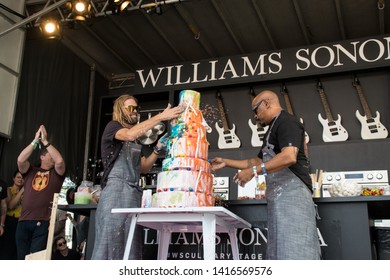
[333, 131]
[290, 109]
[258, 132]
[227, 138]
[372, 128]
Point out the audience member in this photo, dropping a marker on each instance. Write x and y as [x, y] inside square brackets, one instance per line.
[40, 185]
[61, 251]
[3, 211]
[14, 205]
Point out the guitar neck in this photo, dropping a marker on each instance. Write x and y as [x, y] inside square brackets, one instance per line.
[363, 101]
[324, 101]
[223, 114]
[288, 103]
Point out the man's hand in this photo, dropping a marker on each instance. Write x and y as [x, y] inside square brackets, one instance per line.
[217, 163]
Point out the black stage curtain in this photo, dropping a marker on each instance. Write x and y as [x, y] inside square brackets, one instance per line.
[53, 91]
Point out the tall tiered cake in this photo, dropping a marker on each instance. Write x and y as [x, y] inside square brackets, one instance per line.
[185, 180]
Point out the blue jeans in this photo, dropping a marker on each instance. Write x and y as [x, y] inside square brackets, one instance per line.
[31, 237]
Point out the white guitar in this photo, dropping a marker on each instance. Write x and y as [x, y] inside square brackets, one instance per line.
[333, 131]
[290, 109]
[227, 137]
[372, 128]
[258, 132]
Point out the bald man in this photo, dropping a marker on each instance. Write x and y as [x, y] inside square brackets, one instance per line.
[292, 230]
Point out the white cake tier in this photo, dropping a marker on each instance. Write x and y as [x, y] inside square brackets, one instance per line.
[172, 199]
[186, 163]
[188, 147]
[183, 180]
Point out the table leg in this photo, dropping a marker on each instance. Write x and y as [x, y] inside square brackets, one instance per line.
[208, 225]
[130, 236]
[234, 243]
[163, 244]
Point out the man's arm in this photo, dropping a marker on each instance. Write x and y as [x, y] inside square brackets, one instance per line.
[3, 213]
[23, 163]
[59, 163]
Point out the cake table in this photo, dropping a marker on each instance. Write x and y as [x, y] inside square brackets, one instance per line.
[208, 220]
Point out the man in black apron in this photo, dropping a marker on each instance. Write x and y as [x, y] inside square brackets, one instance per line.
[291, 216]
[123, 163]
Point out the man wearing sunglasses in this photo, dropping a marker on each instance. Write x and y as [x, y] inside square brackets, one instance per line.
[123, 162]
[61, 250]
[291, 215]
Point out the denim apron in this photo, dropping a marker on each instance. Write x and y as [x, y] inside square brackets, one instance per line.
[292, 230]
[121, 191]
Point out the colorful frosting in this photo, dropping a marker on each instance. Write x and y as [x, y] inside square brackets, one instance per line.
[186, 180]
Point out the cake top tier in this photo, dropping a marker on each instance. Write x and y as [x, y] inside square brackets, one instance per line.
[190, 97]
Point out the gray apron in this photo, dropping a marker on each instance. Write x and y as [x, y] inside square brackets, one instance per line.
[121, 191]
[292, 230]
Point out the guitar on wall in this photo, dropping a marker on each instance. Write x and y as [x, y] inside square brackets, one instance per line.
[333, 131]
[227, 138]
[290, 109]
[258, 132]
[372, 128]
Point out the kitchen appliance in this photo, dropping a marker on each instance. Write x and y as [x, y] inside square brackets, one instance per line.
[366, 178]
[221, 187]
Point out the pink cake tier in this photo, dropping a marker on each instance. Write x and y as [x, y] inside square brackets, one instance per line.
[173, 199]
[184, 180]
[185, 163]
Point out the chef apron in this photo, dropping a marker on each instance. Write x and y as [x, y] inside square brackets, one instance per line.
[121, 191]
[292, 230]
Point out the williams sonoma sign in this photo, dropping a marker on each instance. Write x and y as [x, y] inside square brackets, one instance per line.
[295, 62]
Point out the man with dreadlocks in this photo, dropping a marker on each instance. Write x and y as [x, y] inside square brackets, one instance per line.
[123, 163]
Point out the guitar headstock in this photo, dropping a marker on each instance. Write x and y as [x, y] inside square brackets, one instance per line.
[319, 85]
[355, 82]
[283, 89]
[219, 95]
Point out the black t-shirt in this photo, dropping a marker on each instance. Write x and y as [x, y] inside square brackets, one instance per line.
[110, 148]
[287, 131]
[72, 255]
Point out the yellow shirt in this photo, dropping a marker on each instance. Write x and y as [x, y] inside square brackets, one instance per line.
[18, 209]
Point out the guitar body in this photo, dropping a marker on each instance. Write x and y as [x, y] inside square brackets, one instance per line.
[333, 131]
[258, 133]
[372, 128]
[227, 139]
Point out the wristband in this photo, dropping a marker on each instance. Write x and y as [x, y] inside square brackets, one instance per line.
[156, 150]
[263, 169]
[254, 170]
[35, 143]
[47, 145]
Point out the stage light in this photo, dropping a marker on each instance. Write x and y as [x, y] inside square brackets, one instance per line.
[124, 5]
[50, 28]
[80, 9]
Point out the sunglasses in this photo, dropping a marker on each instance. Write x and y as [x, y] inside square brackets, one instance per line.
[61, 243]
[132, 108]
[257, 105]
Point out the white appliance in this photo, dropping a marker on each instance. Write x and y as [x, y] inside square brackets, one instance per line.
[366, 178]
[221, 187]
